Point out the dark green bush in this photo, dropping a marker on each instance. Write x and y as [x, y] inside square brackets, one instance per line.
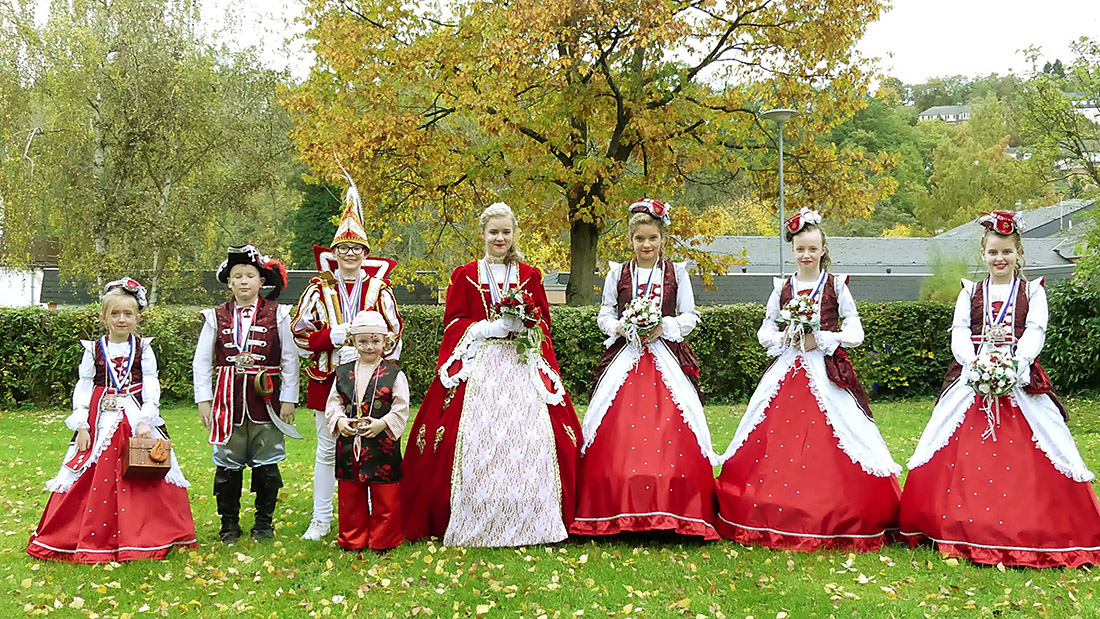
[905, 354]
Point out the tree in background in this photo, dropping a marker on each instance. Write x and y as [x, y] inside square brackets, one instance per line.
[972, 172]
[570, 111]
[145, 145]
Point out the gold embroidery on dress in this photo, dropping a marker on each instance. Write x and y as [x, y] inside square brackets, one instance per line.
[438, 438]
[450, 395]
[572, 435]
[420, 442]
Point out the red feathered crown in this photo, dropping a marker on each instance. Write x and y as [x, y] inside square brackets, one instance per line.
[273, 271]
[655, 208]
[1002, 222]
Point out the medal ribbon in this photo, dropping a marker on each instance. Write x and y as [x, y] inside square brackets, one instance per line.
[999, 318]
[350, 304]
[116, 379]
[240, 334]
[649, 283]
[496, 292]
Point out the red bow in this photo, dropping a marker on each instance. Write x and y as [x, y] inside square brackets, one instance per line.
[1001, 222]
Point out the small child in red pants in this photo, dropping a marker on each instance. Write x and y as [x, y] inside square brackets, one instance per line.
[367, 410]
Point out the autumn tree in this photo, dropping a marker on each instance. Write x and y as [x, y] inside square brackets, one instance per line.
[972, 170]
[570, 110]
[141, 144]
[1053, 115]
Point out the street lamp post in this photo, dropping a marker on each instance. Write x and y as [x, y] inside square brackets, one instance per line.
[780, 116]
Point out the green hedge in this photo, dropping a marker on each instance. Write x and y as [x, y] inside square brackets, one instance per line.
[906, 352]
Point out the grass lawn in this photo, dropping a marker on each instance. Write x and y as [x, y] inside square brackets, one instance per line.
[624, 577]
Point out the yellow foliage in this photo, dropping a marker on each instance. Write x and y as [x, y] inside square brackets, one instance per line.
[900, 230]
[571, 112]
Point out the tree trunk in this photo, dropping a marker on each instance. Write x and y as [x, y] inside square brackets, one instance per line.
[583, 238]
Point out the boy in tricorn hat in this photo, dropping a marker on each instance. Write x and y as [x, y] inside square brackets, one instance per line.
[247, 343]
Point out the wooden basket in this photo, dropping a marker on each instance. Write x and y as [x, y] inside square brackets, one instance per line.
[143, 459]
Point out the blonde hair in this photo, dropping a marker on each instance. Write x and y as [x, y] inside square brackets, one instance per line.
[640, 219]
[113, 298]
[1016, 240]
[826, 261]
[500, 209]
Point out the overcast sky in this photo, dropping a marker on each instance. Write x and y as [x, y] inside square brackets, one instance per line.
[916, 39]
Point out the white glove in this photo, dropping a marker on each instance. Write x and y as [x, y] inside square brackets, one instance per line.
[512, 323]
[338, 334]
[487, 329]
[1023, 373]
[347, 354]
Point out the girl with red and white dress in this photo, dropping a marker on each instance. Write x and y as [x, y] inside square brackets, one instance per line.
[647, 462]
[807, 468]
[998, 479]
[95, 515]
[492, 455]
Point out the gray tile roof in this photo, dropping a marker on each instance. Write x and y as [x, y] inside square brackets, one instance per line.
[1042, 221]
[945, 110]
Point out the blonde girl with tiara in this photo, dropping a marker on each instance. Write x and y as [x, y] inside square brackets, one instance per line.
[996, 477]
[493, 450]
[94, 514]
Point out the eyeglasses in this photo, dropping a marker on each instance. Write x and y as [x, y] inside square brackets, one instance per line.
[352, 250]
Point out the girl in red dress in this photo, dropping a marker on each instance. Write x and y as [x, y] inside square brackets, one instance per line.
[492, 452]
[999, 479]
[94, 514]
[807, 468]
[647, 457]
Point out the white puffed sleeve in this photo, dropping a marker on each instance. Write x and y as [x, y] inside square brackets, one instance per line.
[399, 410]
[1035, 330]
[202, 366]
[150, 386]
[289, 364]
[608, 318]
[962, 347]
[676, 328]
[769, 335]
[851, 328]
[82, 393]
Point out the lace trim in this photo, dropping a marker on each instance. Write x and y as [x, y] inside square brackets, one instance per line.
[685, 398]
[934, 437]
[505, 480]
[839, 415]
[66, 477]
[766, 391]
[851, 441]
[469, 351]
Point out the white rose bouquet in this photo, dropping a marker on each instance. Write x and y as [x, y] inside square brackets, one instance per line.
[991, 375]
[640, 316]
[799, 317]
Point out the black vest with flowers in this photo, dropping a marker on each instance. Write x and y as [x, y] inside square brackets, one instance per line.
[379, 458]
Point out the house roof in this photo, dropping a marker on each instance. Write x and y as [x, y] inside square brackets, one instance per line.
[946, 110]
[1036, 220]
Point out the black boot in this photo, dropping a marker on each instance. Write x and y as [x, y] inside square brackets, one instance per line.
[227, 491]
[266, 482]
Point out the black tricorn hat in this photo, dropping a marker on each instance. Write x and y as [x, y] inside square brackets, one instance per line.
[273, 271]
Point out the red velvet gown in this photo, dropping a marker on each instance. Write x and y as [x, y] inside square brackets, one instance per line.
[429, 462]
[648, 465]
[97, 516]
[809, 469]
[1012, 490]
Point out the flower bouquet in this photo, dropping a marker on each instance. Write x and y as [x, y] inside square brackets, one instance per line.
[799, 317]
[991, 375]
[640, 316]
[518, 303]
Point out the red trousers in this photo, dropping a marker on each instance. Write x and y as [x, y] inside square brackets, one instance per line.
[369, 516]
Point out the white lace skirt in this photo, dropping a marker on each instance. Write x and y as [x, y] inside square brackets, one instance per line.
[505, 483]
